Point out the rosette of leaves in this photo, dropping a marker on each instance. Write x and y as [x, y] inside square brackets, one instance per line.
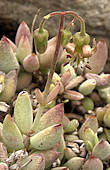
[16, 133]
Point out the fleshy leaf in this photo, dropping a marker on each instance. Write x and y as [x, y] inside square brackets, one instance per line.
[98, 60]
[47, 138]
[8, 59]
[51, 117]
[92, 123]
[93, 163]
[23, 30]
[102, 150]
[50, 156]
[10, 84]
[11, 134]
[24, 49]
[34, 162]
[23, 112]
[75, 162]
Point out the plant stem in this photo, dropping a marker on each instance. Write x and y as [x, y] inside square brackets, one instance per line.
[50, 75]
[70, 13]
[54, 62]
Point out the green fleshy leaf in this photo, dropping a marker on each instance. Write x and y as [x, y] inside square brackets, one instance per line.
[23, 112]
[8, 59]
[47, 138]
[9, 86]
[75, 163]
[34, 162]
[11, 135]
[51, 117]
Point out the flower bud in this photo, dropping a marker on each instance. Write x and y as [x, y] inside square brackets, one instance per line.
[87, 86]
[40, 40]
[23, 112]
[11, 135]
[65, 37]
[31, 63]
[81, 40]
[46, 58]
[88, 104]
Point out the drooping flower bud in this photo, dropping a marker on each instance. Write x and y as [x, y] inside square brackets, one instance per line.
[65, 38]
[31, 63]
[23, 30]
[40, 40]
[46, 58]
[81, 40]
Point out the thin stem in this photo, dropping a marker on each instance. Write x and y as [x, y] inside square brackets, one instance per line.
[37, 118]
[71, 24]
[52, 69]
[32, 28]
[70, 13]
[54, 62]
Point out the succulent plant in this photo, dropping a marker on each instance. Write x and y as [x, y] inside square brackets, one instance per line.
[36, 87]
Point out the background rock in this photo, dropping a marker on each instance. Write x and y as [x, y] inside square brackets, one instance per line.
[96, 14]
